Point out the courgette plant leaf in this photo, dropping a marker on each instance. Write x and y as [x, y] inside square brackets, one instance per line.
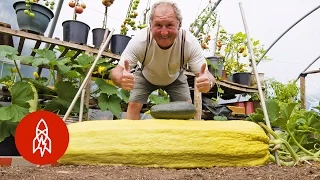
[40, 61]
[13, 113]
[8, 51]
[46, 54]
[24, 94]
[287, 110]
[157, 99]
[26, 59]
[273, 110]
[66, 92]
[106, 87]
[111, 103]
[4, 130]
[124, 94]
[85, 60]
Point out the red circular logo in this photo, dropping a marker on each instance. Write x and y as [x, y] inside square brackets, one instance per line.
[42, 137]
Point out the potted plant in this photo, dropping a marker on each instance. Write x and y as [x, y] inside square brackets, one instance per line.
[120, 41]
[202, 27]
[98, 33]
[237, 62]
[73, 30]
[32, 16]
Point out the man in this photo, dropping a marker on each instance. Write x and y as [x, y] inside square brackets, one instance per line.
[158, 52]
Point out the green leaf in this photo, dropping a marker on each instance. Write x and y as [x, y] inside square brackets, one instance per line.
[40, 61]
[255, 43]
[125, 94]
[63, 69]
[281, 134]
[63, 61]
[66, 90]
[101, 60]
[85, 60]
[156, 99]
[61, 105]
[4, 130]
[13, 113]
[255, 117]
[273, 109]
[220, 118]
[33, 103]
[24, 94]
[72, 74]
[7, 51]
[106, 87]
[26, 59]
[111, 103]
[286, 111]
[46, 54]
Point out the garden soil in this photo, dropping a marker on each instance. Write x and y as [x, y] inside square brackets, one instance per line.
[268, 172]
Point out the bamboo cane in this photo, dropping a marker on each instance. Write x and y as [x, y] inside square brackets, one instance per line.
[254, 66]
[105, 41]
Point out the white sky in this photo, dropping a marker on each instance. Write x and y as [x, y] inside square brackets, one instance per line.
[266, 19]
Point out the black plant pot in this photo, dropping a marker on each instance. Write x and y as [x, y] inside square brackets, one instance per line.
[242, 78]
[75, 31]
[97, 37]
[8, 147]
[39, 23]
[118, 43]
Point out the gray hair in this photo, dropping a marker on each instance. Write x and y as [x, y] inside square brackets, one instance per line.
[174, 5]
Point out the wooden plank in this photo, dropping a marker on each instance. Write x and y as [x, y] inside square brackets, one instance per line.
[52, 46]
[76, 54]
[231, 85]
[6, 39]
[303, 91]
[87, 95]
[36, 46]
[20, 47]
[56, 42]
[64, 52]
[237, 110]
[310, 72]
[197, 101]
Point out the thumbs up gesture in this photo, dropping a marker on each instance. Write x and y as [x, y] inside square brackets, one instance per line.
[127, 80]
[205, 80]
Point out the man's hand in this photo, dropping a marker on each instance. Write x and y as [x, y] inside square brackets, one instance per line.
[204, 80]
[127, 79]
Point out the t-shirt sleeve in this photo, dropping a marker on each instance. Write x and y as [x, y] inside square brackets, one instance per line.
[195, 54]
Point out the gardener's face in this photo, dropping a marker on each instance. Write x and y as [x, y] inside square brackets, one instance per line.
[164, 26]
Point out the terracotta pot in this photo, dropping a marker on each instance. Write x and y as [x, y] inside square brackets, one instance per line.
[240, 104]
[224, 75]
[249, 107]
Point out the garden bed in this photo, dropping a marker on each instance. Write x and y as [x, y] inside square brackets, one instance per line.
[270, 172]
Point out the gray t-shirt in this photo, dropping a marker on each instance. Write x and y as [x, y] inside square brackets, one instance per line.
[162, 67]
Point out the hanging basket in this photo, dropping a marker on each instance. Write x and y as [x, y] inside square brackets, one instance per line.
[39, 23]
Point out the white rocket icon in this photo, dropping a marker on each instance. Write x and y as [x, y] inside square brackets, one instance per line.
[42, 141]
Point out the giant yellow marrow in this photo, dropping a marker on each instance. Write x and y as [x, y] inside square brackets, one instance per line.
[167, 143]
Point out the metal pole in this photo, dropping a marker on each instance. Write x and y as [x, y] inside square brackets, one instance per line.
[308, 67]
[55, 19]
[53, 26]
[286, 32]
[203, 22]
[102, 48]
[253, 61]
